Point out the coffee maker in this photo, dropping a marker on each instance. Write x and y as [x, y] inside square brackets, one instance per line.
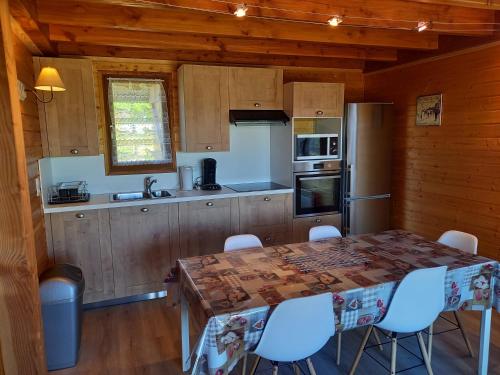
[208, 167]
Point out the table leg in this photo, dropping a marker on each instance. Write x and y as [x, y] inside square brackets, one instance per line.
[484, 342]
[186, 360]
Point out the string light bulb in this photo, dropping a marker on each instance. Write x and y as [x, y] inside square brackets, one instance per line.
[241, 10]
[335, 21]
[423, 25]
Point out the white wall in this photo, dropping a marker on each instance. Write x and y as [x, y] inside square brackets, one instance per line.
[247, 161]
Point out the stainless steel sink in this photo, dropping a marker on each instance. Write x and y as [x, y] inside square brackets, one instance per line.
[137, 195]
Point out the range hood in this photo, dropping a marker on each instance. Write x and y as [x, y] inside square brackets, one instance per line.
[258, 117]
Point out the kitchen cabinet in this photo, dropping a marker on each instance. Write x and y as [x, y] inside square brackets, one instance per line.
[314, 99]
[205, 225]
[302, 225]
[69, 122]
[203, 108]
[145, 243]
[83, 239]
[255, 88]
[269, 217]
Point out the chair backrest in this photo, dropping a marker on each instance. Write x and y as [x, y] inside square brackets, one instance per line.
[417, 301]
[298, 328]
[322, 232]
[460, 240]
[241, 241]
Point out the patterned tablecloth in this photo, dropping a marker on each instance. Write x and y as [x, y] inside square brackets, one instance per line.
[234, 292]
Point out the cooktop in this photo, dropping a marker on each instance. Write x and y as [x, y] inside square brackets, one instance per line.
[256, 186]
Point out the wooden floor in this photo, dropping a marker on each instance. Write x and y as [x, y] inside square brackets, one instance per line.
[143, 338]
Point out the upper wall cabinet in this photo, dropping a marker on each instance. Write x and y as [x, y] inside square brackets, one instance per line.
[204, 108]
[69, 122]
[314, 99]
[255, 88]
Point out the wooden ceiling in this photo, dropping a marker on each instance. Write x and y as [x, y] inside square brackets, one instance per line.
[373, 34]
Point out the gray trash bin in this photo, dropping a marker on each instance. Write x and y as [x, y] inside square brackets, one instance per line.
[61, 296]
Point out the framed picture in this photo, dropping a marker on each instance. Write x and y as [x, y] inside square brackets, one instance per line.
[429, 110]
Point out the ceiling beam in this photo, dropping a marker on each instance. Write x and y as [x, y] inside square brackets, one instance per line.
[180, 21]
[478, 4]
[208, 56]
[188, 42]
[25, 14]
[381, 13]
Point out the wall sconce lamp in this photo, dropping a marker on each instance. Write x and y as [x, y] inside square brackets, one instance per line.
[48, 80]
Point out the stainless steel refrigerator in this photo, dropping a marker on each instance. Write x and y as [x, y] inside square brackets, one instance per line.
[367, 168]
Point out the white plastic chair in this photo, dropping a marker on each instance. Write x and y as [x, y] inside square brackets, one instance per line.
[467, 243]
[417, 302]
[322, 232]
[241, 241]
[297, 329]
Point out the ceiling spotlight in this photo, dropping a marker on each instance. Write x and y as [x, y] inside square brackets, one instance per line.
[241, 10]
[335, 21]
[423, 25]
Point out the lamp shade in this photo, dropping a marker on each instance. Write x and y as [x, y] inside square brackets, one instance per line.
[49, 80]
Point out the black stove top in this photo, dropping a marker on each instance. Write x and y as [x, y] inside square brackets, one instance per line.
[256, 186]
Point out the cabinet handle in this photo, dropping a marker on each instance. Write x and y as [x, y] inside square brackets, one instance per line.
[267, 199]
[144, 209]
[80, 215]
[74, 151]
[256, 105]
[209, 147]
[317, 220]
[210, 204]
[319, 113]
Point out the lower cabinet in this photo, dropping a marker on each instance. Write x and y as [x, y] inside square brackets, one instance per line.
[83, 239]
[145, 243]
[302, 225]
[205, 225]
[269, 217]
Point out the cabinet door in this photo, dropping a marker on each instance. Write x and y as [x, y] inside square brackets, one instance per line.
[255, 88]
[69, 121]
[269, 217]
[204, 108]
[83, 239]
[302, 225]
[205, 225]
[144, 241]
[312, 99]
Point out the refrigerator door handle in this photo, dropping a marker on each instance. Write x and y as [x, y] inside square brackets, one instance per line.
[372, 197]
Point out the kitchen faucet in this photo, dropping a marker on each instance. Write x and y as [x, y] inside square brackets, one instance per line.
[148, 182]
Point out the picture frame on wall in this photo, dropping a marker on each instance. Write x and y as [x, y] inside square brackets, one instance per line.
[429, 110]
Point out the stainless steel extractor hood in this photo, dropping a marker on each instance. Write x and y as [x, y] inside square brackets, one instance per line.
[258, 117]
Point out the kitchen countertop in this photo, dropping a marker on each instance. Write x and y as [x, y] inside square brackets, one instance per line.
[101, 201]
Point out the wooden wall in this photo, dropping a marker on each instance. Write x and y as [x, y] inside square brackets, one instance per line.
[33, 147]
[447, 177]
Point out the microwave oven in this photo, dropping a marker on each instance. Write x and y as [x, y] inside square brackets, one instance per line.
[316, 146]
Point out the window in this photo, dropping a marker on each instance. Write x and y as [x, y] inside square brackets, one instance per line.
[138, 125]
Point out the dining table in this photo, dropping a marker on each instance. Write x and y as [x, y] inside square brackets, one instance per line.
[232, 294]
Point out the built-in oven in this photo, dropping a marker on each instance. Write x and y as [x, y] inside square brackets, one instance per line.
[316, 146]
[317, 188]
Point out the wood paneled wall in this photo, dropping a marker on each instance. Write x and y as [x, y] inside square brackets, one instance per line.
[447, 177]
[33, 147]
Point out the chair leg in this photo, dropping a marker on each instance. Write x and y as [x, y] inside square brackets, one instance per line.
[255, 365]
[464, 334]
[360, 351]
[394, 348]
[339, 347]
[427, 361]
[377, 338]
[429, 341]
[244, 369]
[310, 366]
[296, 369]
[275, 369]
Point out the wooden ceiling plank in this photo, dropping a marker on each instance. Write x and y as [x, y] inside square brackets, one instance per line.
[172, 41]
[24, 12]
[477, 4]
[381, 13]
[208, 56]
[173, 20]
